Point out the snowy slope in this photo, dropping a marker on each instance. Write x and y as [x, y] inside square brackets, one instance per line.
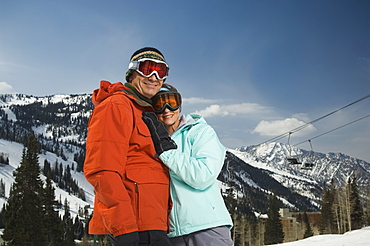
[353, 238]
[15, 155]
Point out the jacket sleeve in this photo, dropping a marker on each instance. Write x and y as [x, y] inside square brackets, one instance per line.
[109, 131]
[200, 166]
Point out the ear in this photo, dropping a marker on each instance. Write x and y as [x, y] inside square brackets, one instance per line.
[130, 79]
[132, 76]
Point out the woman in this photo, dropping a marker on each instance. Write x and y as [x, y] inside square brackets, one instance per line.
[199, 215]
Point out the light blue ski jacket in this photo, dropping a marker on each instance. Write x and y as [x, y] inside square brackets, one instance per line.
[194, 168]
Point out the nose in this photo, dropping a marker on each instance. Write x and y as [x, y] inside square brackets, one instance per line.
[153, 77]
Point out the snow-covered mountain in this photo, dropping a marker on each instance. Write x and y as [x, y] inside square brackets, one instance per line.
[252, 172]
[325, 167]
[303, 179]
[60, 122]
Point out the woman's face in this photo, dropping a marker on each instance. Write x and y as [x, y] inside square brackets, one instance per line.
[170, 118]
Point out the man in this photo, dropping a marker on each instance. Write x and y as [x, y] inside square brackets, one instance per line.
[131, 184]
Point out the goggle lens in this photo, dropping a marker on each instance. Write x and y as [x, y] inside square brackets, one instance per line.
[170, 100]
[147, 67]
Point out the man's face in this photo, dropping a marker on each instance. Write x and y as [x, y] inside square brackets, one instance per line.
[148, 87]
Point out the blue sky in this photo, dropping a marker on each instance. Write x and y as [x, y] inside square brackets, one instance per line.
[254, 69]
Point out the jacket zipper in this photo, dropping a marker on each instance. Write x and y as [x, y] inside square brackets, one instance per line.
[175, 213]
[137, 199]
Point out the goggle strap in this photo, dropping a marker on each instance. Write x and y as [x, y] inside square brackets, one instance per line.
[133, 65]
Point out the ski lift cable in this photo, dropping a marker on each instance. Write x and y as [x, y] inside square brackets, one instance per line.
[333, 130]
[313, 121]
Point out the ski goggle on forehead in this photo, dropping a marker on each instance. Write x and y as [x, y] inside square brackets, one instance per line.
[172, 101]
[147, 67]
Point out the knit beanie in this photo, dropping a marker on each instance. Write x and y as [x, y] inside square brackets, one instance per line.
[168, 89]
[146, 52]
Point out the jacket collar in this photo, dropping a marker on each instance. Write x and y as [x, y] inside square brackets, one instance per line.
[140, 99]
[189, 120]
[107, 89]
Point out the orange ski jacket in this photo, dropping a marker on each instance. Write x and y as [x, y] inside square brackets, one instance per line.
[131, 185]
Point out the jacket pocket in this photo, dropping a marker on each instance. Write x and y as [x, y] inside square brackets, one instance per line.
[151, 195]
[142, 128]
[146, 176]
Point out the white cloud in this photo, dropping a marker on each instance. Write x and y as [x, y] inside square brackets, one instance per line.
[5, 88]
[277, 127]
[232, 110]
[210, 111]
[301, 117]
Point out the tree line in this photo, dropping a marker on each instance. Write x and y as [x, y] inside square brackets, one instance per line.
[63, 178]
[341, 211]
[31, 215]
[250, 229]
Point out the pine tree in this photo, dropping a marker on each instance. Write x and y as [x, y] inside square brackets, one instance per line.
[52, 221]
[368, 210]
[2, 188]
[68, 179]
[357, 212]
[308, 231]
[2, 221]
[273, 228]
[78, 228]
[68, 238]
[47, 168]
[56, 176]
[326, 219]
[24, 212]
[231, 205]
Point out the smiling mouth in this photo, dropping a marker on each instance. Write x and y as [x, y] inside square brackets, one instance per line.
[148, 83]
